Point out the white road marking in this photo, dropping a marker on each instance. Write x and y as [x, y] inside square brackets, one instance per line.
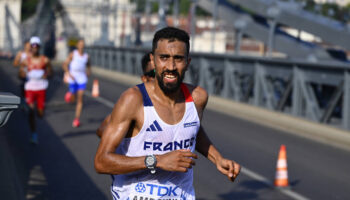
[286, 191]
[100, 99]
[36, 181]
[267, 182]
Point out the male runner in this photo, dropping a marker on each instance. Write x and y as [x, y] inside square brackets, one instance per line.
[36, 69]
[78, 71]
[147, 68]
[20, 57]
[155, 127]
[148, 75]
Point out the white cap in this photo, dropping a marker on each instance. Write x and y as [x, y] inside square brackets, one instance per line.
[35, 40]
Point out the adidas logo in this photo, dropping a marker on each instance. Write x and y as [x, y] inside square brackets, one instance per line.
[154, 127]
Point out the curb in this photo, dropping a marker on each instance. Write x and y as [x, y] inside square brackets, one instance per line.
[288, 124]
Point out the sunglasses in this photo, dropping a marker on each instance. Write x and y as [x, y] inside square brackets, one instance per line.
[35, 45]
[150, 73]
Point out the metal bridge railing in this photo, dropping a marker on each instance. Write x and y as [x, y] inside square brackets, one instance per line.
[316, 91]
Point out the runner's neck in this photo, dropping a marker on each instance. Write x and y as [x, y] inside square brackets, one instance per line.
[171, 98]
[81, 51]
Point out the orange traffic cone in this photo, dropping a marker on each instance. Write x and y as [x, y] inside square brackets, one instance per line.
[95, 89]
[281, 179]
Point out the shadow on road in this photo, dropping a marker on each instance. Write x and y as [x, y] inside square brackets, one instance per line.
[250, 190]
[78, 133]
[47, 170]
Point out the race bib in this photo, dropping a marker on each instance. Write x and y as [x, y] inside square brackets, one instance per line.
[35, 74]
[148, 191]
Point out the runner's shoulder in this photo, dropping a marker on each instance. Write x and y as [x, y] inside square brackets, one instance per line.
[46, 59]
[132, 98]
[19, 53]
[199, 94]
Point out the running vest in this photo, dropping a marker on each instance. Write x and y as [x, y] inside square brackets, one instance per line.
[35, 73]
[157, 137]
[77, 68]
[23, 56]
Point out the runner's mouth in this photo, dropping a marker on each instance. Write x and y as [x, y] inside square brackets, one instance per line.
[170, 77]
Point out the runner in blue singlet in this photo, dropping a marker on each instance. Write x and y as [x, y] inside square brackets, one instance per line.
[149, 142]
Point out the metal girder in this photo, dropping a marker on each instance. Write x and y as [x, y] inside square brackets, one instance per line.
[119, 60]
[336, 97]
[231, 83]
[206, 79]
[346, 101]
[111, 59]
[263, 82]
[286, 44]
[263, 91]
[286, 94]
[304, 97]
[293, 15]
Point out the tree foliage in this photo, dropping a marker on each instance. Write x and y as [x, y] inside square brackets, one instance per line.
[28, 8]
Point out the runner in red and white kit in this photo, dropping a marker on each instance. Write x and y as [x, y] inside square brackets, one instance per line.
[38, 70]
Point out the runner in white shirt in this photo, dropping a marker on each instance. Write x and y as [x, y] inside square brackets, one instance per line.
[77, 69]
[149, 142]
[36, 69]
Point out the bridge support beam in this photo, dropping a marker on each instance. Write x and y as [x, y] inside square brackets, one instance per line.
[346, 101]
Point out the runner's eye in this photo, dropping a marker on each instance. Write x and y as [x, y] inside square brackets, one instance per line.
[164, 57]
[179, 58]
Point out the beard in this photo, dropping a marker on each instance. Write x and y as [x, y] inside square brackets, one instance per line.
[169, 88]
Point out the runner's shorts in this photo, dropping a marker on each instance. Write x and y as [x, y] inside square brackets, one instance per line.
[74, 87]
[36, 96]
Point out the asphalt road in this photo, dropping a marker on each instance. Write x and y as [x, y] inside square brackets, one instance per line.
[61, 166]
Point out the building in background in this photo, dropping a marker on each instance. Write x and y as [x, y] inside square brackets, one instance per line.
[10, 31]
[99, 22]
[339, 2]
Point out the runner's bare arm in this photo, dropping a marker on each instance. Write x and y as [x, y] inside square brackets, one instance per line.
[203, 144]
[22, 72]
[48, 72]
[67, 61]
[106, 160]
[88, 67]
[103, 126]
[128, 109]
[17, 60]
[66, 64]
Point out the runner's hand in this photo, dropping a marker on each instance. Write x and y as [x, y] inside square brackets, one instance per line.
[179, 160]
[88, 71]
[69, 75]
[229, 168]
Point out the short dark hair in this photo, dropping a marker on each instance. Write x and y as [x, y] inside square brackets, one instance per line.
[171, 33]
[144, 61]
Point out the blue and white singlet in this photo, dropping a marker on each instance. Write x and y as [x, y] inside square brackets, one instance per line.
[157, 137]
[77, 68]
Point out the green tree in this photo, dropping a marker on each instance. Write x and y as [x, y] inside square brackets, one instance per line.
[28, 8]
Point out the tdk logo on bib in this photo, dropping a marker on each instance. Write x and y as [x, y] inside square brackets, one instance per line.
[186, 125]
[154, 127]
[156, 190]
[140, 187]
